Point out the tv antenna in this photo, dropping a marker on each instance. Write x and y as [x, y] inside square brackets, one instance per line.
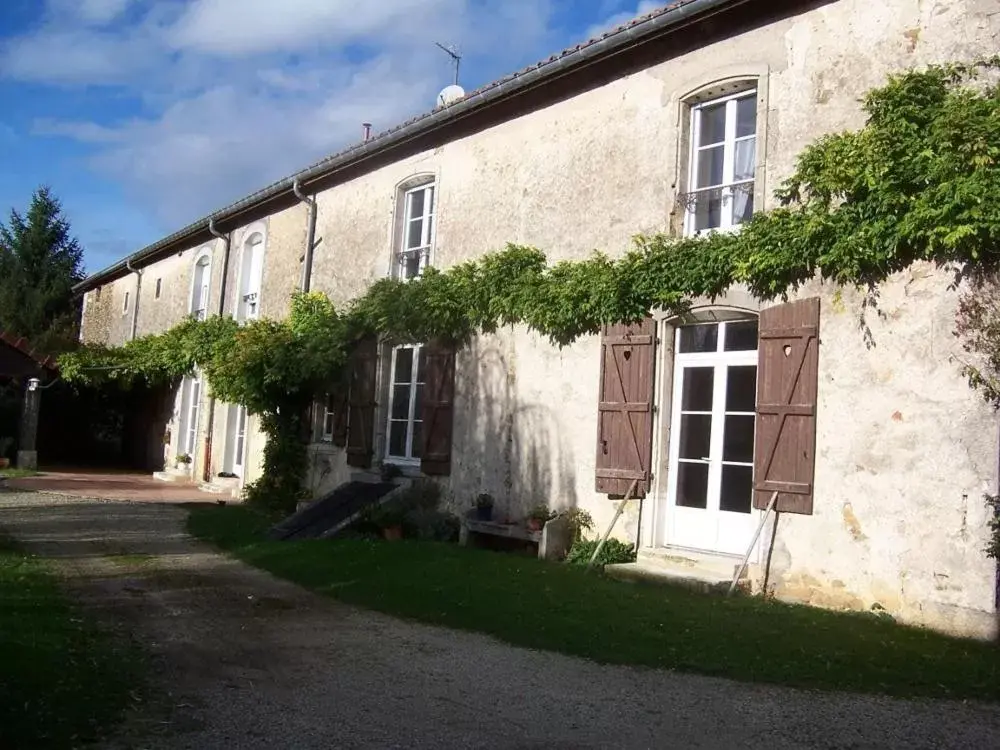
[455, 56]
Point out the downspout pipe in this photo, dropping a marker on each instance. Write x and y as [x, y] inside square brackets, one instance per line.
[138, 289]
[210, 431]
[227, 244]
[307, 261]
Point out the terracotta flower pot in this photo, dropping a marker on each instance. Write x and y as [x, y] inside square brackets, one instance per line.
[393, 533]
[4, 463]
[535, 524]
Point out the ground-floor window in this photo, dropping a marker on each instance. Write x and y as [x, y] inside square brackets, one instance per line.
[406, 386]
[712, 434]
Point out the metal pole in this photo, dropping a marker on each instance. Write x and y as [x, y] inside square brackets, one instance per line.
[756, 536]
[611, 526]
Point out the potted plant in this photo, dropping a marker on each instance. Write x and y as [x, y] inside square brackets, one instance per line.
[183, 461]
[390, 471]
[5, 445]
[538, 517]
[484, 506]
[390, 521]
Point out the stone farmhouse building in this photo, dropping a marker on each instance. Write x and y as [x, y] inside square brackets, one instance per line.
[683, 121]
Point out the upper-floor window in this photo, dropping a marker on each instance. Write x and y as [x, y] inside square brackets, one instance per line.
[125, 304]
[200, 286]
[413, 249]
[723, 162]
[251, 269]
[159, 289]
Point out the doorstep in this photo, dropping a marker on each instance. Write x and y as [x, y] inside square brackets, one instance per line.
[172, 475]
[698, 571]
[222, 486]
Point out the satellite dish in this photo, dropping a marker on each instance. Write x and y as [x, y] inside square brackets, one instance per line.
[450, 95]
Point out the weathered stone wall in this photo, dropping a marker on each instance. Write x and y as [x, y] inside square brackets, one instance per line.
[905, 449]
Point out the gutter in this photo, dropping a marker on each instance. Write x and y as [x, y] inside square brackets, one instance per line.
[307, 261]
[616, 42]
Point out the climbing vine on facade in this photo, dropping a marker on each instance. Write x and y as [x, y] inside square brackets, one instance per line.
[919, 182]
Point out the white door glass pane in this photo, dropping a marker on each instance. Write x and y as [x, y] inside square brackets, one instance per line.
[696, 436]
[712, 126]
[415, 234]
[737, 442]
[741, 336]
[736, 493]
[710, 167]
[741, 388]
[397, 439]
[746, 116]
[744, 163]
[692, 485]
[699, 338]
[698, 388]
[404, 365]
[416, 204]
[707, 211]
[743, 203]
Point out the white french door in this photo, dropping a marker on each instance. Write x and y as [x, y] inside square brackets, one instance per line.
[237, 438]
[710, 494]
[406, 388]
[190, 403]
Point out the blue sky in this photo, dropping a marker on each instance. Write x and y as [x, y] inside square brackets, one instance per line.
[144, 115]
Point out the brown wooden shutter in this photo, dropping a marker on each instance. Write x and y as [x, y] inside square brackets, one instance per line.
[625, 409]
[787, 382]
[361, 413]
[438, 408]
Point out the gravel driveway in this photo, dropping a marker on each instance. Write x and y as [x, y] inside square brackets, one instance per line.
[249, 661]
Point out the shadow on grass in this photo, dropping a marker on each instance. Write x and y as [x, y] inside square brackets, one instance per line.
[557, 607]
[63, 681]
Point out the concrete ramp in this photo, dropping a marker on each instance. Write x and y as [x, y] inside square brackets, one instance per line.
[331, 512]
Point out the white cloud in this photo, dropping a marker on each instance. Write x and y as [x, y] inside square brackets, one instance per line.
[100, 11]
[644, 7]
[242, 27]
[237, 93]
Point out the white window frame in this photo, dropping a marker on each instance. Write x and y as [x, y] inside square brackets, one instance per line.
[200, 293]
[412, 417]
[251, 278]
[427, 231]
[719, 525]
[326, 428]
[728, 165]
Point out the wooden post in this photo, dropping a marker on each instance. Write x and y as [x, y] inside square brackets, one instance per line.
[746, 557]
[611, 526]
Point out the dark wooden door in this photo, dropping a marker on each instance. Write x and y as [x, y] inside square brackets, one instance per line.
[625, 409]
[787, 383]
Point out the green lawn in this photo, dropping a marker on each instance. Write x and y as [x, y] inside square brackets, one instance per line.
[12, 472]
[557, 607]
[63, 681]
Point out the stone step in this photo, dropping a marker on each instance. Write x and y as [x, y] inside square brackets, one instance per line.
[172, 475]
[703, 573]
[229, 486]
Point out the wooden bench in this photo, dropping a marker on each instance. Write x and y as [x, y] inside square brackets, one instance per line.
[553, 541]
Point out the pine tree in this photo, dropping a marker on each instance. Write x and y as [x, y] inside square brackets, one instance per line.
[40, 261]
